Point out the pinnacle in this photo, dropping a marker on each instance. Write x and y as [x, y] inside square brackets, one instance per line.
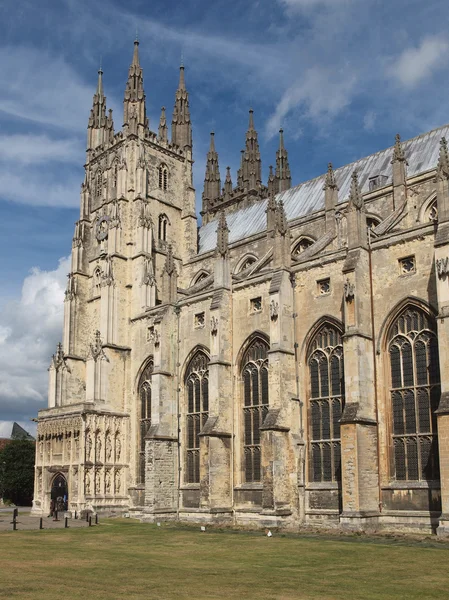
[355, 195]
[251, 119]
[182, 83]
[212, 141]
[100, 83]
[136, 53]
[398, 151]
[281, 139]
[330, 181]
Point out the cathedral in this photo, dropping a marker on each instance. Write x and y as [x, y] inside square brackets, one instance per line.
[285, 364]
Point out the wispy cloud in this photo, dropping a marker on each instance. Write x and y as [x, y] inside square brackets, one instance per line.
[420, 62]
[37, 149]
[31, 327]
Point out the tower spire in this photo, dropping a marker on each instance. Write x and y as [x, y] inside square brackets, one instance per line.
[181, 131]
[228, 183]
[251, 163]
[163, 126]
[100, 127]
[134, 113]
[212, 181]
[283, 175]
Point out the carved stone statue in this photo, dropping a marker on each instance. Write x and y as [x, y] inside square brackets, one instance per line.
[87, 483]
[108, 448]
[118, 482]
[88, 447]
[98, 447]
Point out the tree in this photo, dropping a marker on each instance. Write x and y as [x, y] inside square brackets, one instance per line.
[17, 472]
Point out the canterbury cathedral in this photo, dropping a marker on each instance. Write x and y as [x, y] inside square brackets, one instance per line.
[284, 364]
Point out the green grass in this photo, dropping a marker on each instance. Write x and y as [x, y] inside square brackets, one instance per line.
[130, 560]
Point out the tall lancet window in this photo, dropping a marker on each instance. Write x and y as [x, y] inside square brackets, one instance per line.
[415, 393]
[197, 398]
[325, 404]
[99, 184]
[163, 177]
[255, 406]
[145, 413]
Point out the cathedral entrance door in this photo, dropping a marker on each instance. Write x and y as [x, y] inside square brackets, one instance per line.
[59, 492]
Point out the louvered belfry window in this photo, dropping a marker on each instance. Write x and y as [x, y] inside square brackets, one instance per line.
[326, 404]
[415, 393]
[255, 406]
[145, 413]
[197, 395]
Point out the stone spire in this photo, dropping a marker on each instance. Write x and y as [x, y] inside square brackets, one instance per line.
[227, 190]
[222, 235]
[134, 102]
[169, 278]
[251, 164]
[240, 171]
[356, 216]
[442, 180]
[212, 180]
[283, 175]
[281, 235]
[163, 126]
[281, 223]
[99, 126]
[170, 266]
[271, 203]
[355, 195]
[399, 173]
[181, 129]
[330, 197]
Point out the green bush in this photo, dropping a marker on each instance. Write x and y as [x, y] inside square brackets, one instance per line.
[17, 472]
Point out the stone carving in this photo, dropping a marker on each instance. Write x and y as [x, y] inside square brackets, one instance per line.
[88, 447]
[214, 325]
[107, 481]
[97, 481]
[98, 446]
[118, 448]
[70, 292]
[87, 483]
[69, 449]
[274, 310]
[96, 349]
[154, 336]
[442, 267]
[118, 482]
[75, 481]
[349, 290]
[108, 447]
[39, 481]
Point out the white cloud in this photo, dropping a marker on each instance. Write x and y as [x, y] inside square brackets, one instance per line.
[31, 327]
[39, 187]
[319, 95]
[43, 88]
[28, 149]
[418, 63]
[304, 4]
[369, 120]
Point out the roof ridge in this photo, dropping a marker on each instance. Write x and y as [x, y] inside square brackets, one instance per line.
[405, 143]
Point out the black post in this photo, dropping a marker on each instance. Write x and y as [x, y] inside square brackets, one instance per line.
[14, 525]
[96, 519]
[66, 522]
[87, 517]
[90, 521]
[41, 523]
[75, 515]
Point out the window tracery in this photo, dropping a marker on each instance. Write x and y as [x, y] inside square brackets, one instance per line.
[197, 396]
[415, 392]
[255, 406]
[301, 245]
[163, 177]
[145, 412]
[326, 372]
[162, 229]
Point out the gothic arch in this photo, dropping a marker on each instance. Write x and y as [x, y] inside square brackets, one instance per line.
[325, 319]
[372, 220]
[190, 356]
[300, 244]
[246, 260]
[248, 342]
[163, 223]
[429, 204]
[254, 403]
[144, 409]
[195, 410]
[413, 382]
[411, 301]
[202, 274]
[163, 175]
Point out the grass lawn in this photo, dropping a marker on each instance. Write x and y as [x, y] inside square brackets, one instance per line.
[124, 559]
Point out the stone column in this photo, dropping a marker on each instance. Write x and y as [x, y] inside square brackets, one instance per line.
[279, 496]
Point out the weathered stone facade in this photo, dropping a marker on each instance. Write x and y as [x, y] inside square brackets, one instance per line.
[285, 364]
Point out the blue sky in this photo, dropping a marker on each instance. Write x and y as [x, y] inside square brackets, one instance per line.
[341, 77]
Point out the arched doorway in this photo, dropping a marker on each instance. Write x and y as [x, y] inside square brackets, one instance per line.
[59, 492]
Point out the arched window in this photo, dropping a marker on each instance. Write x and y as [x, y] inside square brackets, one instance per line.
[163, 177]
[145, 412]
[255, 405]
[114, 175]
[197, 400]
[432, 212]
[200, 277]
[99, 184]
[247, 262]
[325, 404]
[372, 222]
[162, 230]
[96, 282]
[415, 392]
[301, 245]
